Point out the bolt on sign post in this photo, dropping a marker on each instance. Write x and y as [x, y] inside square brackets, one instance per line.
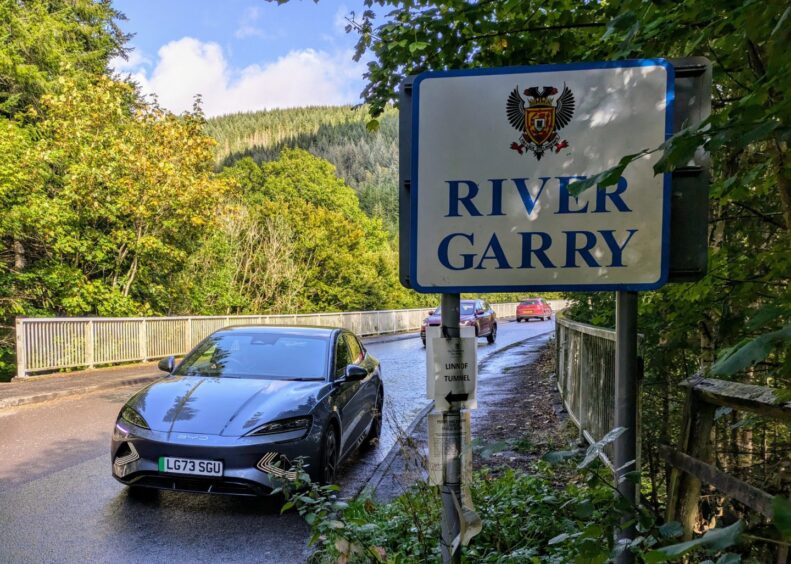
[488, 159]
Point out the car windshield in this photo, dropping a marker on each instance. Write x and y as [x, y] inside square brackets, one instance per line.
[530, 302]
[467, 308]
[266, 356]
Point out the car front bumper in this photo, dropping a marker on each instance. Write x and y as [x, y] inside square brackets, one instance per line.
[244, 473]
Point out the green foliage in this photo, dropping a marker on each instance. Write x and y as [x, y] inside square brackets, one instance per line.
[116, 195]
[781, 515]
[40, 39]
[713, 540]
[751, 351]
[294, 239]
[525, 517]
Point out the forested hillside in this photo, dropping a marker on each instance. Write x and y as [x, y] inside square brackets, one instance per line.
[366, 159]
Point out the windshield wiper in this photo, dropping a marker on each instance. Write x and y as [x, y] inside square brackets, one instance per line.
[305, 379]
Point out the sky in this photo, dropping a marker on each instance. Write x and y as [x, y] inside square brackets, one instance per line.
[242, 55]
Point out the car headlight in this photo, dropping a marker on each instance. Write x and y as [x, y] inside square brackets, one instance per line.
[131, 416]
[284, 426]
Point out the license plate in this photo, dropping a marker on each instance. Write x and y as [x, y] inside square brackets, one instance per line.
[190, 466]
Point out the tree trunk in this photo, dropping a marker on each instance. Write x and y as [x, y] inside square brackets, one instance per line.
[19, 256]
[130, 277]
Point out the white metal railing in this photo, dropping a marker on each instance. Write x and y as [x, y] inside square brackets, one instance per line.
[586, 379]
[54, 343]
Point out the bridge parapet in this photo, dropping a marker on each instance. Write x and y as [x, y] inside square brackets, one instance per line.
[586, 380]
[54, 343]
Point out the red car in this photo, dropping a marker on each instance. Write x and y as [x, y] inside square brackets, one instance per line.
[533, 307]
[473, 312]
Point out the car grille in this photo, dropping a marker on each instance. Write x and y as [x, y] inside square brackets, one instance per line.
[201, 485]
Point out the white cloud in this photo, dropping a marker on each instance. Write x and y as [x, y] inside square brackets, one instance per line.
[134, 60]
[300, 78]
[247, 26]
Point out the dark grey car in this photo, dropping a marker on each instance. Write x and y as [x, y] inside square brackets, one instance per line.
[243, 405]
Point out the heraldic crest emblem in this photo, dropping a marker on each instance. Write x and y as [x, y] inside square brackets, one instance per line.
[540, 119]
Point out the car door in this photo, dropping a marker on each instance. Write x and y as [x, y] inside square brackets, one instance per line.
[490, 312]
[348, 397]
[368, 388]
[484, 322]
[486, 318]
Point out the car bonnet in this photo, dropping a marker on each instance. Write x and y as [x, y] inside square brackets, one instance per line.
[223, 406]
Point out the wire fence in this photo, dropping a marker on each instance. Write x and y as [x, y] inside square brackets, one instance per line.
[55, 343]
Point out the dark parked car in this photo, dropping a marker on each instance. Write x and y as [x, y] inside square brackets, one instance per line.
[533, 307]
[473, 312]
[243, 405]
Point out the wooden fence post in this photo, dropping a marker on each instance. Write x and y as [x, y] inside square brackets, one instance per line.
[697, 423]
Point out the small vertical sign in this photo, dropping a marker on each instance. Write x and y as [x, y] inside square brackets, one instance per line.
[451, 367]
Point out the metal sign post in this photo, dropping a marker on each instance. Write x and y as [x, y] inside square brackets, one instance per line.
[626, 406]
[451, 475]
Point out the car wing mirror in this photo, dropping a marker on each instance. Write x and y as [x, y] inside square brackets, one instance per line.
[354, 373]
[479, 312]
[167, 364]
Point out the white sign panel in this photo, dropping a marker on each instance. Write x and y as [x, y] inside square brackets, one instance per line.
[494, 154]
[438, 437]
[451, 366]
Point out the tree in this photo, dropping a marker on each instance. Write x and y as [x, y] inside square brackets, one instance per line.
[42, 39]
[122, 191]
[295, 239]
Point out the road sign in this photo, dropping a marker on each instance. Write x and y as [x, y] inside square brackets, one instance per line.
[451, 368]
[493, 153]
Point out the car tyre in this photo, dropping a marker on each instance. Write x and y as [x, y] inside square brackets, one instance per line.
[329, 456]
[372, 439]
[490, 338]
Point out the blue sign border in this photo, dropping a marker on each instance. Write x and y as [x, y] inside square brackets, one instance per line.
[665, 251]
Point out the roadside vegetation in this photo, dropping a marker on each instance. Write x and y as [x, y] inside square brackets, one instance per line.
[553, 514]
[734, 323]
[540, 496]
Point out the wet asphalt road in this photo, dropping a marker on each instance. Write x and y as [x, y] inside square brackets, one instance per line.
[59, 503]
